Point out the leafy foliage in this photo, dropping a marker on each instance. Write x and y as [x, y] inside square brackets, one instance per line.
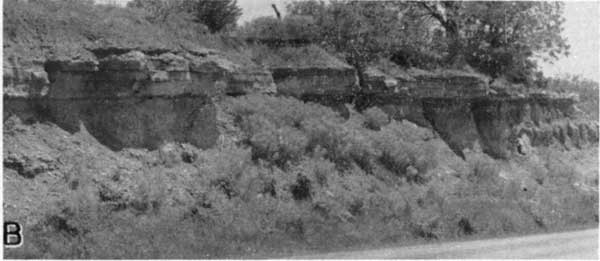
[291, 27]
[495, 38]
[585, 88]
[159, 10]
[500, 38]
[359, 31]
[216, 15]
[375, 118]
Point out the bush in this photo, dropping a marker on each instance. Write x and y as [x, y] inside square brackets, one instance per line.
[402, 149]
[160, 10]
[281, 130]
[279, 146]
[282, 111]
[375, 118]
[483, 169]
[217, 15]
[405, 160]
[560, 172]
[585, 88]
[289, 28]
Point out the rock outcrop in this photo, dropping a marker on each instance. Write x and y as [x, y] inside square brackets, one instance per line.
[128, 98]
[467, 113]
[460, 106]
[543, 118]
[307, 72]
[131, 98]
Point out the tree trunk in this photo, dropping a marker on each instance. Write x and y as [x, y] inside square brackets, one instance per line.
[456, 56]
[277, 13]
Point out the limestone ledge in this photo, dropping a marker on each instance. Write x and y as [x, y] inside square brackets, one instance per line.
[134, 74]
[128, 98]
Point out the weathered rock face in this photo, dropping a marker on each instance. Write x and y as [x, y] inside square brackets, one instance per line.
[467, 114]
[307, 72]
[453, 120]
[131, 99]
[425, 98]
[307, 82]
[543, 119]
[446, 84]
[458, 105]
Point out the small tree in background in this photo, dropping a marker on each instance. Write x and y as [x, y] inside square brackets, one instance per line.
[216, 15]
[291, 27]
[500, 38]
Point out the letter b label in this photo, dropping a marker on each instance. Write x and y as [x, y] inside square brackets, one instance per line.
[13, 234]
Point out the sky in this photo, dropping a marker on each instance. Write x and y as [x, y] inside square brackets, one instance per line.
[582, 29]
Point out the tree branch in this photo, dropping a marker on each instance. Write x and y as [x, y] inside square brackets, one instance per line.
[433, 13]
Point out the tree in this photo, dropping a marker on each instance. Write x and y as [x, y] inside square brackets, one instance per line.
[495, 38]
[500, 38]
[359, 31]
[216, 15]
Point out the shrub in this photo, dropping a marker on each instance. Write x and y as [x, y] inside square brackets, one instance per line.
[318, 170]
[405, 160]
[217, 15]
[283, 129]
[278, 146]
[402, 150]
[483, 169]
[222, 168]
[586, 89]
[325, 135]
[282, 111]
[375, 118]
[159, 10]
[538, 172]
[290, 27]
[560, 172]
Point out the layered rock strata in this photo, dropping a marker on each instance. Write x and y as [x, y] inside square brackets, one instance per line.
[131, 99]
[307, 72]
[468, 114]
[460, 106]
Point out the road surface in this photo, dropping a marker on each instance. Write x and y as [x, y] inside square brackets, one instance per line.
[581, 244]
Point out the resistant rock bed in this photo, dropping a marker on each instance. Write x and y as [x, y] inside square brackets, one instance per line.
[132, 99]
